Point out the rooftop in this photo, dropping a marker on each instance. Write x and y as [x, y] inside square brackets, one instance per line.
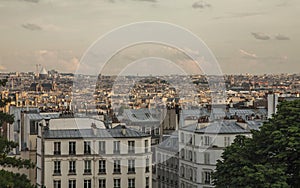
[93, 133]
[224, 127]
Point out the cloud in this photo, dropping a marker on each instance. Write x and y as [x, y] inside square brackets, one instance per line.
[152, 1]
[65, 60]
[32, 1]
[40, 27]
[261, 36]
[32, 27]
[240, 15]
[247, 55]
[2, 68]
[281, 37]
[201, 5]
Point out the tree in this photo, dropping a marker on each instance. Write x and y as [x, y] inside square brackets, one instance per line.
[271, 158]
[9, 179]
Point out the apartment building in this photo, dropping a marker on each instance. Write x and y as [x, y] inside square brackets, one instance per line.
[167, 163]
[93, 157]
[202, 144]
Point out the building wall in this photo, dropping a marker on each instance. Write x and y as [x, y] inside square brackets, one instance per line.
[198, 157]
[139, 156]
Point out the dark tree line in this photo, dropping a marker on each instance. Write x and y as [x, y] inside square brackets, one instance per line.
[271, 158]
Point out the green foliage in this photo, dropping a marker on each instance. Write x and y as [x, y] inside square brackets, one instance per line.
[11, 180]
[271, 158]
[7, 161]
[6, 118]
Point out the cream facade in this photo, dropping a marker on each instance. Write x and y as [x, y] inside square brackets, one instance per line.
[201, 145]
[94, 157]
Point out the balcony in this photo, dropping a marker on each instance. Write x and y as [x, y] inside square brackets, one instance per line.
[57, 173]
[57, 153]
[87, 172]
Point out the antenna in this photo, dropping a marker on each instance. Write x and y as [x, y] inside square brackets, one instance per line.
[37, 69]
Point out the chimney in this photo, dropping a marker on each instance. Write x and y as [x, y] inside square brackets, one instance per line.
[123, 130]
[47, 121]
[94, 128]
[202, 125]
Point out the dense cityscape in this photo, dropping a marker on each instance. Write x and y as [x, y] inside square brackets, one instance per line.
[149, 94]
[138, 131]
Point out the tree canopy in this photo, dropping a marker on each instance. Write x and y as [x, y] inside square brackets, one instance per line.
[271, 158]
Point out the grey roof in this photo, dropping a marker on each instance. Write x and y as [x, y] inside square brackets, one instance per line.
[35, 116]
[51, 115]
[225, 127]
[89, 133]
[170, 144]
[240, 112]
[140, 115]
[262, 111]
[194, 112]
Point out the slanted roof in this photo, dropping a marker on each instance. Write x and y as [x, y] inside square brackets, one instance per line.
[224, 127]
[139, 115]
[90, 133]
[170, 144]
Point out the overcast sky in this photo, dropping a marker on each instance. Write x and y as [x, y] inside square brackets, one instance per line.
[246, 36]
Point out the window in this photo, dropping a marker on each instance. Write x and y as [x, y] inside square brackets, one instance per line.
[33, 128]
[87, 184]
[72, 148]
[72, 183]
[87, 166]
[182, 137]
[101, 147]
[206, 177]
[191, 174]
[72, 167]
[131, 146]
[57, 184]
[87, 147]
[56, 148]
[182, 185]
[182, 153]
[131, 166]
[182, 170]
[191, 155]
[102, 166]
[102, 183]
[157, 131]
[57, 167]
[116, 147]
[207, 141]
[131, 183]
[147, 182]
[117, 183]
[146, 146]
[147, 165]
[158, 157]
[190, 139]
[206, 158]
[117, 166]
[226, 141]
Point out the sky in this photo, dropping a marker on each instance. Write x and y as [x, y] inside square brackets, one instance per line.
[245, 36]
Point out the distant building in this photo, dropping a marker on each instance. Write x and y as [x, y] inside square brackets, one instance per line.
[43, 74]
[272, 104]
